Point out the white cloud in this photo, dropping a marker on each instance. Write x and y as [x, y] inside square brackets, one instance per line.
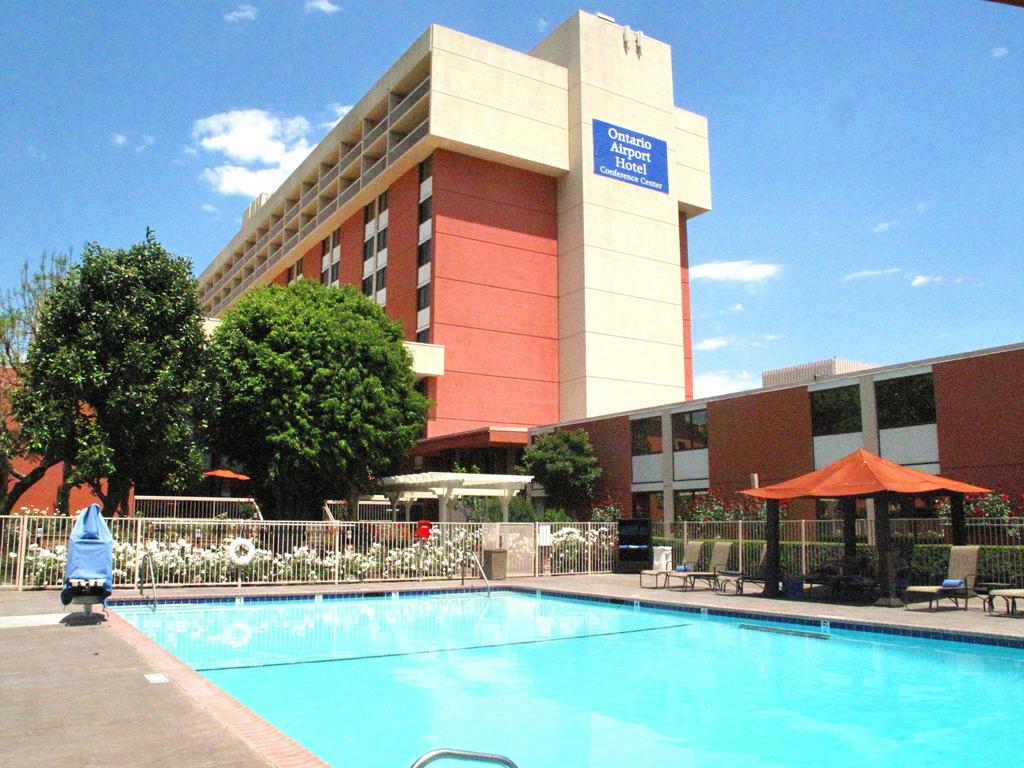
[732, 310]
[542, 26]
[118, 139]
[207, 208]
[262, 149]
[324, 6]
[243, 12]
[771, 337]
[924, 205]
[146, 143]
[744, 271]
[721, 382]
[884, 226]
[998, 53]
[920, 280]
[707, 345]
[871, 273]
[338, 111]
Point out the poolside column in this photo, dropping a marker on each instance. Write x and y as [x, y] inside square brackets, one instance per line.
[883, 544]
[771, 549]
[956, 518]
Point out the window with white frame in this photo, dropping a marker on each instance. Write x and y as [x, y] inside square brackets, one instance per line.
[424, 251]
[330, 259]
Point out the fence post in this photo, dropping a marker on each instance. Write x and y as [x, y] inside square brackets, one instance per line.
[337, 548]
[589, 539]
[803, 546]
[741, 545]
[22, 548]
[138, 550]
[536, 548]
[686, 532]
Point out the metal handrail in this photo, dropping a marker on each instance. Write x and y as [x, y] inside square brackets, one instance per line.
[483, 575]
[148, 558]
[464, 755]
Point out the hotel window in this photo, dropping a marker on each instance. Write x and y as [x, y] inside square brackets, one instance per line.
[646, 434]
[689, 431]
[369, 213]
[368, 285]
[382, 202]
[295, 272]
[368, 249]
[382, 274]
[425, 210]
[684, 501]
[330, 258]
[423, 297]
[835, 411]
[382, 239]
[423, 253]
[335, 273]
[325, 260]
[427, 169]
[905, 402]
[423, 337]
[647, 506]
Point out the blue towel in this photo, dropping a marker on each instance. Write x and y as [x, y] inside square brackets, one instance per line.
[953, 584]
[682, 568]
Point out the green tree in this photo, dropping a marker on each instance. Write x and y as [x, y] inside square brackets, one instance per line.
[564, 462]
[115, 379]
[317, 394]
[20, 308]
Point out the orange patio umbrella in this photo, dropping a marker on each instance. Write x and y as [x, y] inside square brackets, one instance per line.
[227, 474]
[861, 474]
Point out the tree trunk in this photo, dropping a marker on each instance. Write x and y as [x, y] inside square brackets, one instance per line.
[772, 559]
[15, 492]
[64, 491]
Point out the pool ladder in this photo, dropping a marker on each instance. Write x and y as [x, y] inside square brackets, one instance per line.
[148, 558]
[483, 575]
[463, 755]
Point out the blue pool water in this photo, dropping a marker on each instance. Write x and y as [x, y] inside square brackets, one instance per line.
[557, 683]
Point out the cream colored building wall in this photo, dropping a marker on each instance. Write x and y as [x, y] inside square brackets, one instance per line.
[620, 295]
[496, 103]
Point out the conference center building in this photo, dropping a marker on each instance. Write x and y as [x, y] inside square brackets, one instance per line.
[523, 216]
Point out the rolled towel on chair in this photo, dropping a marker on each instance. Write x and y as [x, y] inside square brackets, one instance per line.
[953, 584]
[682, 568]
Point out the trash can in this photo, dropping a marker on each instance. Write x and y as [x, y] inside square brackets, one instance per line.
[793, 589]
[662, 558]
[495, 564]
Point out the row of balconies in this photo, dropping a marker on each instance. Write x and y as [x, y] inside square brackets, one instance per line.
[382, 144]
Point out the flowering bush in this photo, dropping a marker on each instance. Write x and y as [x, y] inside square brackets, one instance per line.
[711, 507]
[986, 506]
[570, 547]
[606, 511]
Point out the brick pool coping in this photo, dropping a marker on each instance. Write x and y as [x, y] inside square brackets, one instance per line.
[274, 745]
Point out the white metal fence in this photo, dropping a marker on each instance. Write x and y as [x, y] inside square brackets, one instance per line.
[191, 551]
[203, 507]
[921, 545]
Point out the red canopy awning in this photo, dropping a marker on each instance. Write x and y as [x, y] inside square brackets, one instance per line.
[226, 473]
[861, 474]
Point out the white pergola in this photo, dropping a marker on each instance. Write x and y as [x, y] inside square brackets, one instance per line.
[446, 486]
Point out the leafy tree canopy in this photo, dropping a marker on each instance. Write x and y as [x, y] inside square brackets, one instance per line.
[564, 462]
[116, 378]
[317, 394]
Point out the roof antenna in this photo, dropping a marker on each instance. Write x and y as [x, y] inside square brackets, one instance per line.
[625, 38]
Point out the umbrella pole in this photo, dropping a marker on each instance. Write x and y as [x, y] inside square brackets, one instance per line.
[883, 543]
[848, 504]
[773, 570]
[956, 518]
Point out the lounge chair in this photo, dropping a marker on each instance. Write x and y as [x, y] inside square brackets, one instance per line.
[959, 583]
[717, 564]
[1010, 597]
[691, 554]
[736, 579]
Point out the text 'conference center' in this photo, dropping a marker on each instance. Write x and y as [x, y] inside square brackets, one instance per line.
[522, 215]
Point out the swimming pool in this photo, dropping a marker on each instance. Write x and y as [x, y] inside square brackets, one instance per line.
[553, 683]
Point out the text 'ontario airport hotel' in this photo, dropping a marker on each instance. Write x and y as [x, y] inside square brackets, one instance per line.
[523, 216]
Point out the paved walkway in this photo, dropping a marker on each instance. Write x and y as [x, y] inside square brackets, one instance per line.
[74, 691]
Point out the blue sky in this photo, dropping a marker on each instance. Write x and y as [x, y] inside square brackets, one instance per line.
[867, 158]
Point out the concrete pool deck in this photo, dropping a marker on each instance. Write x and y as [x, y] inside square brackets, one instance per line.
[74, 690]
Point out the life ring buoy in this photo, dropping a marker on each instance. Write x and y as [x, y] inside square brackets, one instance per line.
[241, 551]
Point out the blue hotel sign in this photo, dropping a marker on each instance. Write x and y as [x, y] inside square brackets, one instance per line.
[626, 155]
